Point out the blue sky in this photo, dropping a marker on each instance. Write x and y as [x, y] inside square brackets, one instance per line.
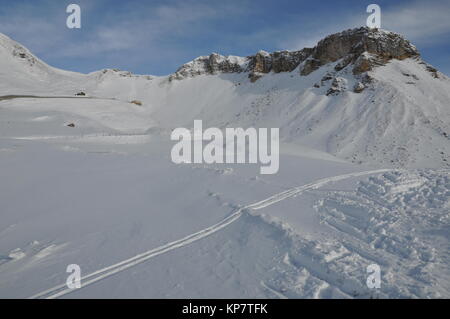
[156, 37]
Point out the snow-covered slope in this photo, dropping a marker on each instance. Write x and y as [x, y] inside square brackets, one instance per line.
[89, 179]
[363, 95]
[23, 73]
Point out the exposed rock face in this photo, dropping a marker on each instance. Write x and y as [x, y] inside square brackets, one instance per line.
[259, 64]
[359, 87]
[256, 65]
[337, 86]
[218, 63]
[212, 64]
[363, 63]
[285, 61]
[24, 54]
[433, 71]
[279, 61]
[363, 48]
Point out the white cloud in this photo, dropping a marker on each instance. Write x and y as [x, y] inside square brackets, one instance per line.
[143, 26]
[135, 30]
[425, 22]
[422, 22]
[168, 32]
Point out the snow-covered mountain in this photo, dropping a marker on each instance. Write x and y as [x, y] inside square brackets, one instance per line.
[363, 180]
[363, 95]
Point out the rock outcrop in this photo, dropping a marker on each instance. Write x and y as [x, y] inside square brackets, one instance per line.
[24, 54]
[362, 48]
[256, 65]
[337, 86]
[359, 87]
[277, 62]
[212, 64]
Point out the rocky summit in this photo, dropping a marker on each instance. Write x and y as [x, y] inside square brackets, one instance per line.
[363, 48]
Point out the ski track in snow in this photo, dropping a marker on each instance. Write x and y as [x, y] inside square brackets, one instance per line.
[109, 271]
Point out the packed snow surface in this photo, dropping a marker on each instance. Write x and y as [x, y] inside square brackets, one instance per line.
[364, 179]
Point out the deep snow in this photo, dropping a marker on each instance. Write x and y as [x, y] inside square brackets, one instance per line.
[363, 179]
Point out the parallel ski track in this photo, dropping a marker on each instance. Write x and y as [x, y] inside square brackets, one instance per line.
[109, 271]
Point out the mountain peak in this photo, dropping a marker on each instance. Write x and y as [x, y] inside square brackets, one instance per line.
[363, 47]
[11, 49]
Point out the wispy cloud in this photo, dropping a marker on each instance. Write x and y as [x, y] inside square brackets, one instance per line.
[160, 35]
[153, 28]
[149, 28]
[424, 22]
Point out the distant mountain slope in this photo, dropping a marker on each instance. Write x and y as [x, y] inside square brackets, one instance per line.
[363, 95]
